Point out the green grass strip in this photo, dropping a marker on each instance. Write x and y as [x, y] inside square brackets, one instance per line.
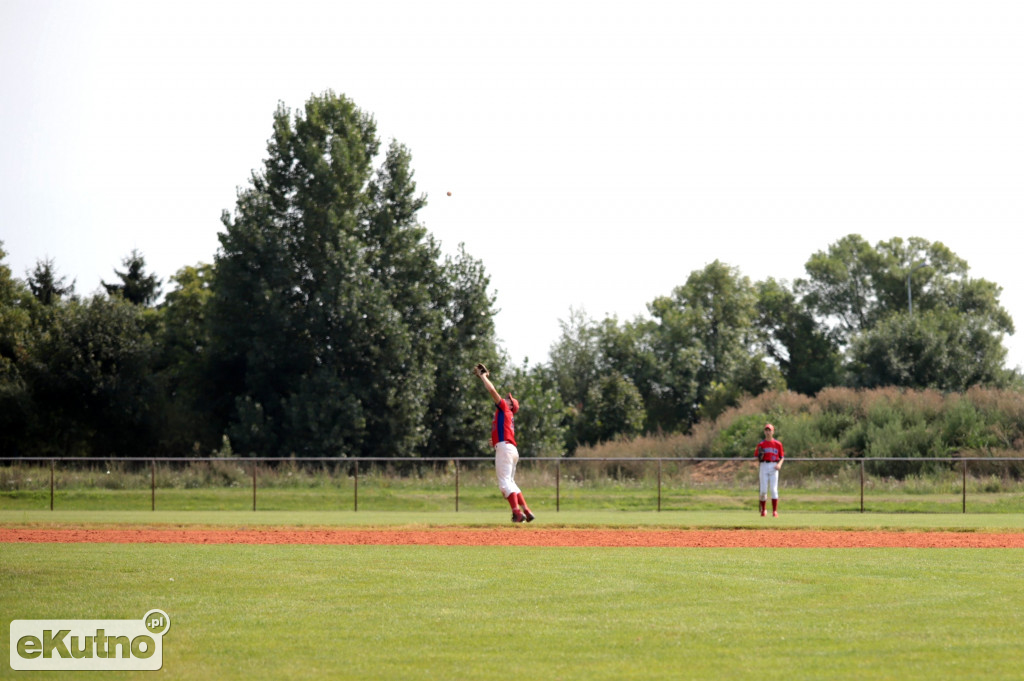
[422, 612]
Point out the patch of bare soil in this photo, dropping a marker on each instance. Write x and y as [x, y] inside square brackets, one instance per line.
[712, 472]
[529, 536]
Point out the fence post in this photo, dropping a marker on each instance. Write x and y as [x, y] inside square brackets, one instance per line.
[558, 486]
[456, 485]
[965, 487]
[254, 485]
[355, 486]
[152, 486]
[659, 485]
[51, 483]
[862, 485]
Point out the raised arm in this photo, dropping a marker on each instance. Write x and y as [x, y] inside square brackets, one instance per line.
[481, 371]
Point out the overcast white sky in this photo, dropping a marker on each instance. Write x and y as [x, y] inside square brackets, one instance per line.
[597, 152]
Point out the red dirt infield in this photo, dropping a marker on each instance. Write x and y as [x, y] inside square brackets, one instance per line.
[527, 536]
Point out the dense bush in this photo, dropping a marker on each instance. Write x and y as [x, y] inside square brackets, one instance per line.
[919, 426]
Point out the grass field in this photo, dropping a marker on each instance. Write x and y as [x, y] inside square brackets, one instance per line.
[580, 486]
[426, 612]
[960, 522]
[431, 496]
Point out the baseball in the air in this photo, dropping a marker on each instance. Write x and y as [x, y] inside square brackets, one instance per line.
[449, 193]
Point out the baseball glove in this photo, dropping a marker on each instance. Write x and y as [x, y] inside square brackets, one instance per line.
[480, 370]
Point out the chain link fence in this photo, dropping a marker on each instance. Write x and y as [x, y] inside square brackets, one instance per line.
[454, 484]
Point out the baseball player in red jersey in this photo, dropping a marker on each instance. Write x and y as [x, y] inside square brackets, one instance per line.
[506, 456]
[770, 453]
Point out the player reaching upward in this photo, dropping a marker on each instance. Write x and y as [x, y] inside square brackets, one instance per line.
[506, 456]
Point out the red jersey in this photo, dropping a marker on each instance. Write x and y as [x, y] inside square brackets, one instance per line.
[504, 427]
[769, 450]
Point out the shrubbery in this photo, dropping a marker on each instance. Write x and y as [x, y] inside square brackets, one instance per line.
[884, 423]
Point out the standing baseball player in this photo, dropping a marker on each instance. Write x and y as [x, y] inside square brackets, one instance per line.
[769, 453]
[506, 456]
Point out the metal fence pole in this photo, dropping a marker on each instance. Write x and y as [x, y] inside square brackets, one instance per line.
[152, 486]
[355, 486]
[456, 486]
[51, 483]
[965, 487]
[659, 485]
[558, 486]
[862, 485]
[254, 485]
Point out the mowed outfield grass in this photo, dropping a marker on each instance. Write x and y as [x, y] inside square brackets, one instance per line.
[419, 497]
[426, 612]
[423, 612]
[575, 486]
[498, 516]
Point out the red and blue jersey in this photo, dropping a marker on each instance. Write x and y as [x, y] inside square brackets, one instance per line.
[504, 427]
[769, 450]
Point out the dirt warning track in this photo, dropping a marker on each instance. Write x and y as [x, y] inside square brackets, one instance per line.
[526, 536]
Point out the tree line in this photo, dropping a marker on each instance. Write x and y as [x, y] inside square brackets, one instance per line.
[720, 337]
[330, 324]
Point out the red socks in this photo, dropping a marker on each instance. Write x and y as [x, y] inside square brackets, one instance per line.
[775, 504]
[517, 502]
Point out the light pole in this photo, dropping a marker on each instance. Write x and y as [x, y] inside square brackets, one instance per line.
[910, 298]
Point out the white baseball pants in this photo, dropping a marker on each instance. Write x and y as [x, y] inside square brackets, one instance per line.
[506, 457]
[769, 477]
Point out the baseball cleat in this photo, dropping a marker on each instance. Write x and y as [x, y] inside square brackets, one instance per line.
[527, 516]
[764, 513]
[775, 514]
[517, 517]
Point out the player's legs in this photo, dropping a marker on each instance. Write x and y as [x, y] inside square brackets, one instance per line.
[505, 459]
[773, 482]
[762, 476]
[519, 492]
[527, 513]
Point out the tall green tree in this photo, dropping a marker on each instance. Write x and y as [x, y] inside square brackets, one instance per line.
[295, 316]
[329, 308]
[459, 412]
[46, 285]
[576, 365]
[614, 408]
[704, 336]
[853, 285]
[806, 353]
[543, 421]
[405, 260]
[137, 287]
[182, 357]
[628, 349]
[864, 294]
[90, 377]
[16, 331]
[15, 320]
[575, 357]
[839, 286]
[938, 349]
